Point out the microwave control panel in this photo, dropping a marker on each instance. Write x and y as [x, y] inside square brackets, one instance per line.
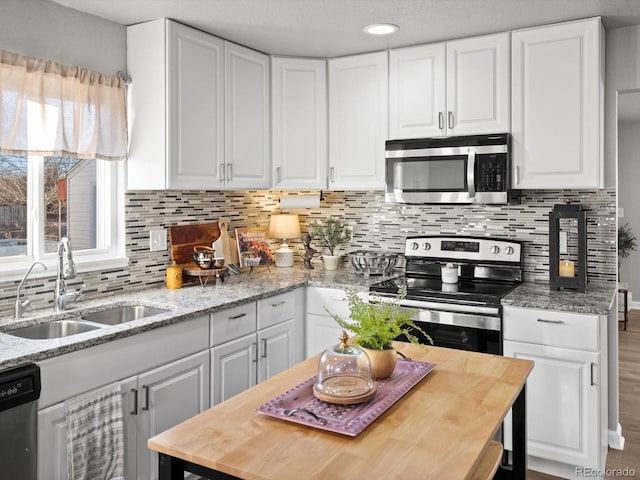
[491, 174]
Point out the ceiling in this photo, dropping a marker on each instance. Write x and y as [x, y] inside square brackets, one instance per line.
[332, 28]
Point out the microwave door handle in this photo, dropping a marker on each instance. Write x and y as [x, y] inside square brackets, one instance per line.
[471, 173]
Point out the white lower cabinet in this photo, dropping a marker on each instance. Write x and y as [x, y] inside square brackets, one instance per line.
[152, 402]
[255, 341]
[164, 378]
[566, 391]
[322, 331]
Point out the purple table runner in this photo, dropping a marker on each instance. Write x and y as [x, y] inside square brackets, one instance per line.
[347, 419]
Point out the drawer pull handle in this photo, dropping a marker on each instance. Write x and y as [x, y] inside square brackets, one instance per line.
[146, 397]
[235, 317]
[135, 401]
[274, 305]
[255, 352]
[544, 320]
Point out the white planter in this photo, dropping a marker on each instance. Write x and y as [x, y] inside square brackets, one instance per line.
[331, 262]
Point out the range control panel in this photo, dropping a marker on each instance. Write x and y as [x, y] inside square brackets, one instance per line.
[464, 248]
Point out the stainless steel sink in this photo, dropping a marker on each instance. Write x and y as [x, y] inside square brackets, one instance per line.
[55, 329]
[127, 313]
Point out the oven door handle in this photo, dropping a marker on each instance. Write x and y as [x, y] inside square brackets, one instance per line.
[443, 306]
[471, 173]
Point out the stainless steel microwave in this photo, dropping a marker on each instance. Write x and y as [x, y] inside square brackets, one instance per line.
[464, 169]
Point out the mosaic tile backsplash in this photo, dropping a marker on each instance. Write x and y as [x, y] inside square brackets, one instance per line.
[376, 225]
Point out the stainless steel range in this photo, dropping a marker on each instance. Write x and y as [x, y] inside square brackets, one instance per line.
[464, 314]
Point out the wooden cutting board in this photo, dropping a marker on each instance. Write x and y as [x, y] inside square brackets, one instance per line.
[184, 237]
[226, 243]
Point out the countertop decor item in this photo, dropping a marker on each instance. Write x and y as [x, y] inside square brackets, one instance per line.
[449, 273]
[253, 247]
[330, 233]
[345, 419]
[309, 251]
[284, 226]
[344, 374]
[377, 324]
[373, 263]
[568, 247]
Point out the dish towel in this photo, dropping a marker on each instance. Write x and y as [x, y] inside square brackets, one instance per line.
[95, 435]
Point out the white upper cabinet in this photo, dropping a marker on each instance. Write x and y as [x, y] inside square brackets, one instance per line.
[358, 116]
[558, 105]
[417, 91]
[176, 97]
[246, 114]
[299, 123]
[455, 88]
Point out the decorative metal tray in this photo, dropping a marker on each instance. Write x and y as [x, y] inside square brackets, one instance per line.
[368, 263]
[299, 405]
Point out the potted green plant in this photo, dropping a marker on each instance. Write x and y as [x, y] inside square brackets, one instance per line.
[376, 325]
[627, 243]
[330, 233]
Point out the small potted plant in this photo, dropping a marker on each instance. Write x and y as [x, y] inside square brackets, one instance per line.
[330, 233]
[627, 243]
[376, 325]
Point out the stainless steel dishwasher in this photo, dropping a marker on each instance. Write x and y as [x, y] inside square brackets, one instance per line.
[19, 393]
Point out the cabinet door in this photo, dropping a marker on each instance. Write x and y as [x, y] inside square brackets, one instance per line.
[478, 85]
[247, 129]
[52, 437]
[169, 395]
[417, 91]
[558, 106]
[276, 346]
[358, 118]
[299, 123]
[195, 108]
[322, 332]
[563, 414]
[233, 368]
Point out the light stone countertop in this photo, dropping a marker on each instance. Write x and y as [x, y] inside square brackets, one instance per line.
[182, 304]
[597, 300]
[195, 300]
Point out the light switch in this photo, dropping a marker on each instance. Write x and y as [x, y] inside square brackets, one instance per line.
[157, 240]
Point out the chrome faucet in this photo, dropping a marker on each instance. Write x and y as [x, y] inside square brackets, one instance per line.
[66, 270]
[21, 306]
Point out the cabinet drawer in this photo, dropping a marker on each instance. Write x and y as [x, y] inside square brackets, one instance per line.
[334, 299]
[551, 328]
[276, 309]
[233, 323]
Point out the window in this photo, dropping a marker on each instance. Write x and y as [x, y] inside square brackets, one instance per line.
[43, 199]
[62, 136]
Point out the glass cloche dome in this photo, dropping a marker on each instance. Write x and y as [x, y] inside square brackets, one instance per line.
[344, 374]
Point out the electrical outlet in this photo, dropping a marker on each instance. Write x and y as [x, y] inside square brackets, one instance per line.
[157, 240]
[348, 233]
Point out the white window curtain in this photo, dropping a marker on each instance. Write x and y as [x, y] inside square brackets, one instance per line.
[51, 109]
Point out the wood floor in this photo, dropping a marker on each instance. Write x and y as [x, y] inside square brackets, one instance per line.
[629, 372]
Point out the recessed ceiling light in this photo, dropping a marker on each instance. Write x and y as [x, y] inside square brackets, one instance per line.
[381, 29]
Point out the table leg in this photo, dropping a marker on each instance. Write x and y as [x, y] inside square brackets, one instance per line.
[519, 433]
[518, 468]
[170, 468]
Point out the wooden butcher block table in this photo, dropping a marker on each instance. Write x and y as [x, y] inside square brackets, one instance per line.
[438, 430]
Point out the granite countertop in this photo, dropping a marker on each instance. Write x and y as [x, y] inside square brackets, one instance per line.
[182, 304]
[195, 300]
[596, 300]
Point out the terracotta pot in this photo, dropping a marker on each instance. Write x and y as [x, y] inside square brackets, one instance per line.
[383, 362]
[331, 262]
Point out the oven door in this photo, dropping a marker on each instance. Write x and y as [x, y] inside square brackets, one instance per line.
[476, 328]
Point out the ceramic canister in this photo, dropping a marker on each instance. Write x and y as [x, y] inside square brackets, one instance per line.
[174, 276]
[449, 273]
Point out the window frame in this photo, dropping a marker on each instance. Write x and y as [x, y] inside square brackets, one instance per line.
[110, 225]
